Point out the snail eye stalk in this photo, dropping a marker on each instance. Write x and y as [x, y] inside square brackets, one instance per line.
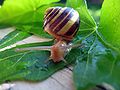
[58, 51]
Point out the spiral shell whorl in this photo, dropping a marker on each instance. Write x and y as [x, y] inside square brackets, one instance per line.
[62, 23]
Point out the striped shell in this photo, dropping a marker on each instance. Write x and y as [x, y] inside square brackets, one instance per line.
[62, 23]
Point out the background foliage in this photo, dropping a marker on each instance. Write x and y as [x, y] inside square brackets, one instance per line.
[96, 63]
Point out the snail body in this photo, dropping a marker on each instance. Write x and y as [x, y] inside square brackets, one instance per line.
[58, 51]
[62, 24]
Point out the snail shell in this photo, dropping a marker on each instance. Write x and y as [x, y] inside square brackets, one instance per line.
[61, 23]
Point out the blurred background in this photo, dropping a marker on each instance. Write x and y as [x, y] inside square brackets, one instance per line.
[91, 3]
[94, 7]
[1, 1]
[96, 3]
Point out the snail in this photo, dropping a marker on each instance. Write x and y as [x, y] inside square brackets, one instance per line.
[62, 24]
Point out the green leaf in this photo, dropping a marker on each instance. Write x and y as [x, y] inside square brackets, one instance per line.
[110, 23]
[18, 12]
[13, 37]
[36, 29]
[97, 65]
[87, 23]
[30, 65]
